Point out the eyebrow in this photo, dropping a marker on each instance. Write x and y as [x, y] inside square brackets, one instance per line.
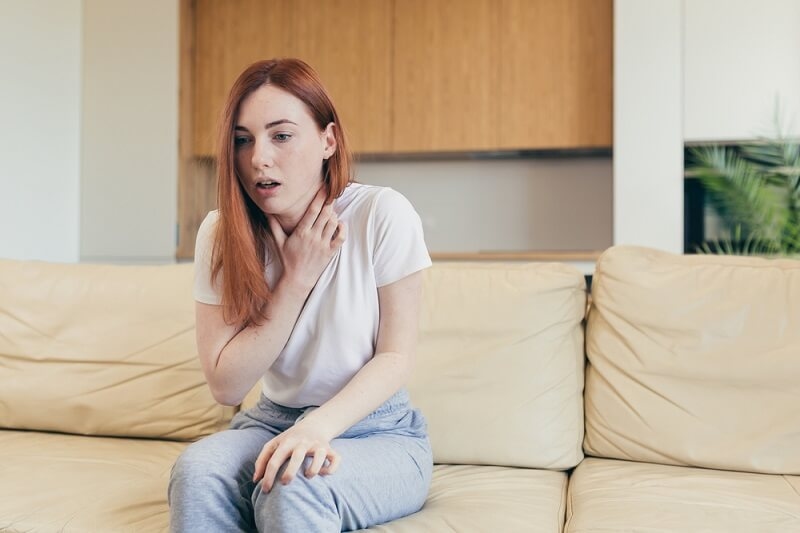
[269, 124]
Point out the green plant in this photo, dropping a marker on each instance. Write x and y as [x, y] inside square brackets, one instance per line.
[755, 188]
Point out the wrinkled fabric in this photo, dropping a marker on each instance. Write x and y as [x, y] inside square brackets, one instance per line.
[499, 367]
[694, 360]
[384, 474]
[479, 499]
[102, 350]
[610, 495]
[68, 483]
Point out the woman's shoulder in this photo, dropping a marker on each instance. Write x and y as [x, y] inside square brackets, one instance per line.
[358, 192]
[208, 226]
[210, 220]
[369, 198]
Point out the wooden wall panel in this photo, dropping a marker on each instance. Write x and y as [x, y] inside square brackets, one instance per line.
[425, 75]
[230, 35]
[555, 83]
[349, 43]
[189, 209]
[445, 72]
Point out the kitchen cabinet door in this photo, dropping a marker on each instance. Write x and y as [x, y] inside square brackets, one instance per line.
[229, 36]
[555, 80]
[445, 75]
[349, 43]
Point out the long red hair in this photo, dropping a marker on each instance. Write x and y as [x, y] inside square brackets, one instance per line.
[242, 232]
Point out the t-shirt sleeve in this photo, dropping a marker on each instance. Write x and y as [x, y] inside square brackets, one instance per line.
[205, 291]
[398, 242]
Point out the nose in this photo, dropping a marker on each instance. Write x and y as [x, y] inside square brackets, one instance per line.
[263, 155]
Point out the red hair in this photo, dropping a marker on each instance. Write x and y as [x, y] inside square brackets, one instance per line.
[242, 233]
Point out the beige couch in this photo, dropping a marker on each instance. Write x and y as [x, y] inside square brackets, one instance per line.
[690, 417]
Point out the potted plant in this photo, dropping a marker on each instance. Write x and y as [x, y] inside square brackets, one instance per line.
[755, 188]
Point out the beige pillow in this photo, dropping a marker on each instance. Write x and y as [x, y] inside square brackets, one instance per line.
[499, 371]
[694, 360]
[102, 350]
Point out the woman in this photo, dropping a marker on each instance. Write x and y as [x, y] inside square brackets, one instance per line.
[311, 283]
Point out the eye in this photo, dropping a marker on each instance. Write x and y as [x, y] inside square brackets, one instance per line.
[240, 140]
[282, 137]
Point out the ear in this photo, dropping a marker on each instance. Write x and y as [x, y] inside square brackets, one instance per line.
[329, 138]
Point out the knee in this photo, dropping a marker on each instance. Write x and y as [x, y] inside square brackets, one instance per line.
[193, 462]
[303, 503]
[201, 465]
[207, 491]
[187, 471]
[300, 491]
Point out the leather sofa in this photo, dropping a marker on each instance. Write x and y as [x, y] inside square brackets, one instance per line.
[672, 405]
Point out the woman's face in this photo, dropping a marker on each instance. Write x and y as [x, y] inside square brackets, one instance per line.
[279, 153]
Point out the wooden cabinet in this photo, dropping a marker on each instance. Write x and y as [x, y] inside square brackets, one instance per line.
[230, 35]
[502, 75]
[416, 76]
[555, 76]
[348, 42]
[445, 75]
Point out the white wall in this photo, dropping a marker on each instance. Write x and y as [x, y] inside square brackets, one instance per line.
[740, 55]
[40, 56]
[130, 130]
[692, 70]
[648, 128]
[505, 205]
[88, 143]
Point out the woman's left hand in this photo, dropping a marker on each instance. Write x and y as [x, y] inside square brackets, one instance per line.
[294, 445]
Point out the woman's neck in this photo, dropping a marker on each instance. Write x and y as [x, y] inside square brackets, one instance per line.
[290, 219]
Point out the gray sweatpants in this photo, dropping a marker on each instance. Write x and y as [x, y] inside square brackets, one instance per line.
[385, 472]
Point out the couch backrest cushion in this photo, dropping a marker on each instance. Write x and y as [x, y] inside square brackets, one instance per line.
[499, 371]
[694, 360]
[102, 350]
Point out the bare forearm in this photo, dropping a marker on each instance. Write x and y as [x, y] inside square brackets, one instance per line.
[376, 382]
[388, 370]
[250, 353]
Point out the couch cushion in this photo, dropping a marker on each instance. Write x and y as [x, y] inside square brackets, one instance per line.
[70, 483]
[610, 495]
[488, 498]
[102, 350]
[499, 369]
[694, 361]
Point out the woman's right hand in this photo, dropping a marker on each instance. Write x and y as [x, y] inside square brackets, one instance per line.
[307, 251]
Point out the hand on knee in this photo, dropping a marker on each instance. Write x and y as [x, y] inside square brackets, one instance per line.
[289, 451]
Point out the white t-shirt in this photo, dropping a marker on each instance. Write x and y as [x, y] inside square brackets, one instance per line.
[337, 329]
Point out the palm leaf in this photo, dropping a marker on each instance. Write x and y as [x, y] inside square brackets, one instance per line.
[739, 192]
[777, 161]
[755, 187]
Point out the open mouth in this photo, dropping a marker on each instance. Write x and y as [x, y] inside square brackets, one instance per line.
[267, 184]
